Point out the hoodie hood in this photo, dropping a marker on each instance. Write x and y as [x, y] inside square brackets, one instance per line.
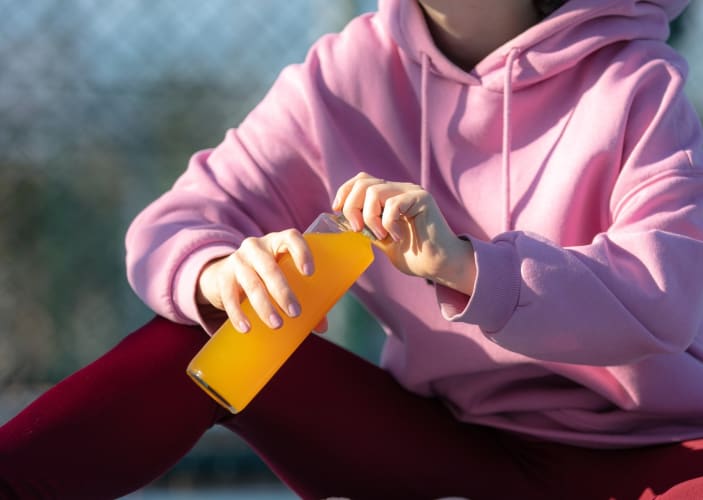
[570, 34]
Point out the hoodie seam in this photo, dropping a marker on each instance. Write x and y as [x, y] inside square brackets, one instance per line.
[673, 172]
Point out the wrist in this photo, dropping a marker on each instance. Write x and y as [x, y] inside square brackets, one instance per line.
[459, 273]
[206, 290]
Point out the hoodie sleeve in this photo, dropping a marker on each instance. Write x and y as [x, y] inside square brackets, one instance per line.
[266, 175]
[635, 290]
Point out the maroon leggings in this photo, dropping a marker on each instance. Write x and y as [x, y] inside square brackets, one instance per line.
[328, 424]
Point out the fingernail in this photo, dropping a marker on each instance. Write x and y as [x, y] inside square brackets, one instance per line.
[335, 203]
[355, 225]
[395, 234]
[293, 310]
[379, 234]
[275, 321]
[308, 269]
[243, 326]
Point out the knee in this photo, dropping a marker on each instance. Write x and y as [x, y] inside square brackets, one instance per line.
[163, 341]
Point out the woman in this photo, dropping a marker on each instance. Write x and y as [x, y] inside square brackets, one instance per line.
[542, 170]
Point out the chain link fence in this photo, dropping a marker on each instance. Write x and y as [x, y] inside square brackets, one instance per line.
[101, 104]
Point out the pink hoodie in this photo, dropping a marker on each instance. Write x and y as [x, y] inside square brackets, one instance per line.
[571, 158]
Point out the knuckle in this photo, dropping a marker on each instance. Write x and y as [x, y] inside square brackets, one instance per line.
[291, 233]
[249, 244]
[237, 259]
[253, 288]
[268, 268]
[391, 204]
[374, 189]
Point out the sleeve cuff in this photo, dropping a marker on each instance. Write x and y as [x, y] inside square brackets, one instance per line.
[496, 291]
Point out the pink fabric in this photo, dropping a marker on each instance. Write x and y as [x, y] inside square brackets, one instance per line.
[585, 325]
[329, 424]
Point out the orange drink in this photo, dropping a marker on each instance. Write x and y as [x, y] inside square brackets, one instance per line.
[233, 367]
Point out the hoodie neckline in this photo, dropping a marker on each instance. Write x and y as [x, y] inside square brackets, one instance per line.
[415, 29]
[534, 55]
[506, 148]
[553, 45]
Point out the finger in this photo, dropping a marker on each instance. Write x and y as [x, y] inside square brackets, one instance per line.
[375, 205]
[261, 255]
[250, 280]
[230, 297]
[344, 190]
[412, 203]
[354, 203]
[292, 241]
[401, 209]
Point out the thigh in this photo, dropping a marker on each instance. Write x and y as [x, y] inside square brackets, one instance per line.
[113, 426]
[671, 471]
[331, 424]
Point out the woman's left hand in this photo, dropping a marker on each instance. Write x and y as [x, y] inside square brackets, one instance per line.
[410, 228]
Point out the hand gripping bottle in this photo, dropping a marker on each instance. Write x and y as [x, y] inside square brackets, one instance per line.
[232, 367]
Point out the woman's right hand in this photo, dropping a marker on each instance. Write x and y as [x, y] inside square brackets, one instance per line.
[252, 271]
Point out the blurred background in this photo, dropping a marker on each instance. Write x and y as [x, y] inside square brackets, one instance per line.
[102, 102]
